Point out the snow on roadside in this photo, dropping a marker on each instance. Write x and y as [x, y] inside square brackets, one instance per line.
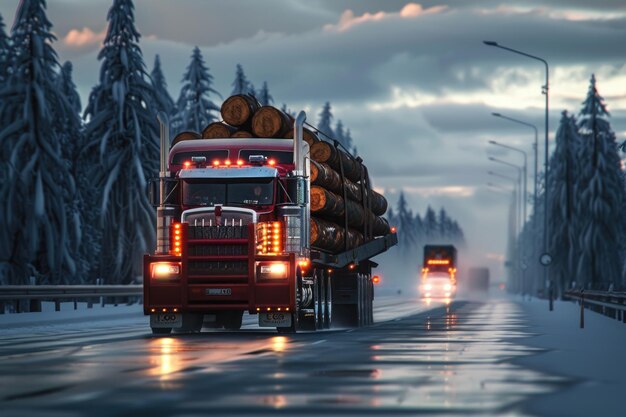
[593, 357]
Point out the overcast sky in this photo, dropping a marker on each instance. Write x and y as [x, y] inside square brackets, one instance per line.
[412, 81]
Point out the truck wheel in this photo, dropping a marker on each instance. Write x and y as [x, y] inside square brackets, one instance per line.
[232, 320]
[161, 330]
[192, 323]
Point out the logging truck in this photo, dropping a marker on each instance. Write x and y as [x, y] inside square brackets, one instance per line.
[256, 214]
[439, 272]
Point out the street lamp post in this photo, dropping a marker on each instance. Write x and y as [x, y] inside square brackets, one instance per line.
[545, 257]
[493, 142]
[536, 149]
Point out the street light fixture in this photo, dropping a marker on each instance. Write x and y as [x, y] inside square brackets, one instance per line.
[493, 142]
[545, 90]
[536, 149]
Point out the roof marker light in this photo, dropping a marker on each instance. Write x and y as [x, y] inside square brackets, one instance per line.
[216, 162]
[239, 162]
[187, 164]
[227, 163]
[271, 162]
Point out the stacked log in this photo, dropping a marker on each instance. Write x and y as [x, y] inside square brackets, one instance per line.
[327, 153]
[328, 235]
[242, 134]
[239, 109]
[244, 117]
[217, 130]
[324, 176]
[309, 136]
[270, 122]
[186, 135]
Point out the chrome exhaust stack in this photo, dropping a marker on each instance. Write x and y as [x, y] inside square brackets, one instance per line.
[165, 214]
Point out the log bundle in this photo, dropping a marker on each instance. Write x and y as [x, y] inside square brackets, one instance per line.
[333, 197]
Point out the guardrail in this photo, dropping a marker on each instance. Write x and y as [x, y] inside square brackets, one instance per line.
[16, 295]
[609, 303]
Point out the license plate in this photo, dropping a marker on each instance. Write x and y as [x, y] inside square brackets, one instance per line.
[274, 320]
[166, 320]
[218, 291]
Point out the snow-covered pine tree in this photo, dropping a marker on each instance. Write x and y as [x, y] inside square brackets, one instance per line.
[339, 134]
[38, 239]
[194, 106]
[431, 228]
[404, 223]
[443, 223]
[241, 85]
[123, 130]
[325, 123]
[348, 139]
[264, 96]
[564, 225]
[81, 163]
[164, 101]
[5, 53]
[602, 195]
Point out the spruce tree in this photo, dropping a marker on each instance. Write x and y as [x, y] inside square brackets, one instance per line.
[264, 96]
[406, 231]
[5, 54]
[431, 228]
[241, 85]
[164, 101]
[325, 123]
[38, 234]
[123, 131]
[194, 106]
[564, 225]
[602, 195]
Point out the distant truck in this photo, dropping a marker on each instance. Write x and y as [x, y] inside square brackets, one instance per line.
[438, 278]
[478, 279]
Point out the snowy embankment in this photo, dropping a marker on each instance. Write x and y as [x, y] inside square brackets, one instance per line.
[593, 357]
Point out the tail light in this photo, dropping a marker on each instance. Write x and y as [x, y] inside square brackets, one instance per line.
[165, 270]
[270, 238]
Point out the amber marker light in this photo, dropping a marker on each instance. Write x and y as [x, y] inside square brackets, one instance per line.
[271, 162]
[394, 229]
[187, 164]
[376, 279]
[216, 163]
[239, 162]
[227, 163]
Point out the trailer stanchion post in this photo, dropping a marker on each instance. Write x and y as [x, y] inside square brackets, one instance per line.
[582, 308]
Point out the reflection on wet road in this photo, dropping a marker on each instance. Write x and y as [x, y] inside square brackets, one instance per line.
[450, 359]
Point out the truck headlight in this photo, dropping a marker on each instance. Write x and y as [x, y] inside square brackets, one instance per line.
[447, 287]
[428, 287]
[272, 270]
[165, 270]
[270, 238]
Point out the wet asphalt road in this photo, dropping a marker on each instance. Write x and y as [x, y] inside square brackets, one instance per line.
[419, 359]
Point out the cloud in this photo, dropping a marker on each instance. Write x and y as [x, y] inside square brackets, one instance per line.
[409, 11]
[85, 37]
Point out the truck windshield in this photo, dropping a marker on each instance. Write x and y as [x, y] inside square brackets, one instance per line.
[201, 193]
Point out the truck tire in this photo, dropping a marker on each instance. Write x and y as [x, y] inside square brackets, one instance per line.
[161, 330]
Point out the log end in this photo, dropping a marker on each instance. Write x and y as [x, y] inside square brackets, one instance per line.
[186, 135]
[238, 109]
[216, 130]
